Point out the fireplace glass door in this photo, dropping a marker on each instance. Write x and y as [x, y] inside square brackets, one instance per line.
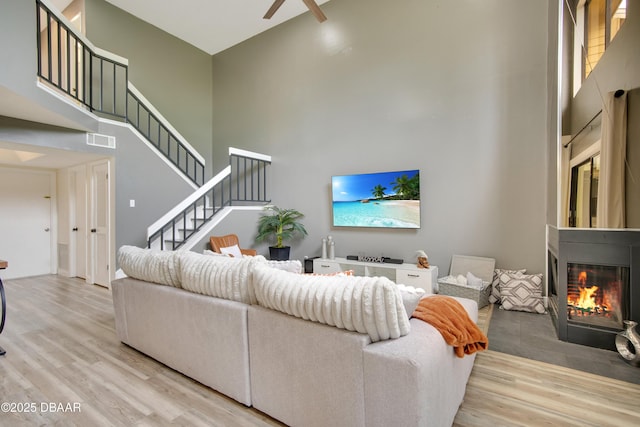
[597, 295]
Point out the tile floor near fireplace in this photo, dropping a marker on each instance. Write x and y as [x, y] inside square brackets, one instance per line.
[533, 336]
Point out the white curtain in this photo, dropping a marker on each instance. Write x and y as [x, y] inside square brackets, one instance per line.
[611, 188]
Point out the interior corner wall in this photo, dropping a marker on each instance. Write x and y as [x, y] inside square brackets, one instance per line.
[455, 89]
[172, 74]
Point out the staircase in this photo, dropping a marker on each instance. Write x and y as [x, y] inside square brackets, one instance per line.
[241, 183]
[98, 81]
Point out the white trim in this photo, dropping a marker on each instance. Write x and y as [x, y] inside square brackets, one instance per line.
[166, 123]
[153, 228]
[66, 99]
[250, 154]
[584, 155]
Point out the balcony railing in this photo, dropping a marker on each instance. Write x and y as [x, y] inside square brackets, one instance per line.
[244, 181]
[99, 81]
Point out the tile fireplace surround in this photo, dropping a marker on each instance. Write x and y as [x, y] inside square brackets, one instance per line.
[594, 283]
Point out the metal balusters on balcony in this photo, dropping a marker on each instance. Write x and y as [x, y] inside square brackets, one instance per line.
[66, 61]
[98, 80]
[164, 139]
[243, 182]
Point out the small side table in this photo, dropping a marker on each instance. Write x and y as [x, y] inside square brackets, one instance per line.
[3, 264]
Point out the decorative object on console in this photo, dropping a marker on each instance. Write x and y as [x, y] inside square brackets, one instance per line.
[331, 247]
[281, 224]
[423, 259]
[628, 343]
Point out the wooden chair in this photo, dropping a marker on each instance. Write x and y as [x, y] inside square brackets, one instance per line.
[218, 242]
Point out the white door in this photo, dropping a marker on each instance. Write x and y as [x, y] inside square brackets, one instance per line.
[26, 221]
[78, 221]
[99, 214]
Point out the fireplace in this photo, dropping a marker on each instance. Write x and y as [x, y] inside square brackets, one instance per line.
[594, 283]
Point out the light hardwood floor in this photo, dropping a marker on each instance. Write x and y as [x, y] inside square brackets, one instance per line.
[62, 350]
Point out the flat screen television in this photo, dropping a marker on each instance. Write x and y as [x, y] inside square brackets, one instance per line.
[382, 199]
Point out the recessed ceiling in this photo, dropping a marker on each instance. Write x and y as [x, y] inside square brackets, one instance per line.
[31, 156]
[213, 25]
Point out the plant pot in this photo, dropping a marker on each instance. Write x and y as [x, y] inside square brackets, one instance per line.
[279, 254]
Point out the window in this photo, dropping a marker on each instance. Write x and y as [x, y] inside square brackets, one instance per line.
[583, 202]
[602, 21]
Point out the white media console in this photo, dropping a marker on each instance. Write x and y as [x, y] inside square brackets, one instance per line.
[406, 274]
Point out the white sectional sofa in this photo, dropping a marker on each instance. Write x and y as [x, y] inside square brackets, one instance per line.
[306, 350]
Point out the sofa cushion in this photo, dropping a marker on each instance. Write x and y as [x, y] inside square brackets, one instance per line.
[219, 276]
[162, 267]
[369, 305]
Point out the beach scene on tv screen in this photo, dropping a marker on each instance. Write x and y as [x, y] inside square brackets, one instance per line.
[384, 199]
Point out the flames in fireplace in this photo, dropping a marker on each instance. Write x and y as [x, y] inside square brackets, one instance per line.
[594, 298]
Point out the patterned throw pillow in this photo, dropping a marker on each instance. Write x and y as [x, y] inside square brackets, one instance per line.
[523, 293]
[495, 284]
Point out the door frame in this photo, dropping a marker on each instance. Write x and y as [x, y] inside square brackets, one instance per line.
[110, 223]
[80, 178]
[53, 211]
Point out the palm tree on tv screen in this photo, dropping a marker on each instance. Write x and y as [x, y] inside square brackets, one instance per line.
[378, 191]
[407, 188]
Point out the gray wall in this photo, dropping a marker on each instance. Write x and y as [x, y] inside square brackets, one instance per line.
[455, 89]
[173, 75]
[143, 176]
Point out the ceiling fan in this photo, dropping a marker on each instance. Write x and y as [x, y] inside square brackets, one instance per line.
[311, 4]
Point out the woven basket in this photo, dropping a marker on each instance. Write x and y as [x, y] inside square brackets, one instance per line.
[479, 296]
[480, 267]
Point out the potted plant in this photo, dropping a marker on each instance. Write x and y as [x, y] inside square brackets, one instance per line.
[281, 224]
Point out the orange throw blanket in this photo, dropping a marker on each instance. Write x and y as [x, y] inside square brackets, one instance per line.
[450, 318]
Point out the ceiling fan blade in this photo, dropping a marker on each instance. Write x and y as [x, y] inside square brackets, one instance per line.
[274, 7]
[315, 9]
